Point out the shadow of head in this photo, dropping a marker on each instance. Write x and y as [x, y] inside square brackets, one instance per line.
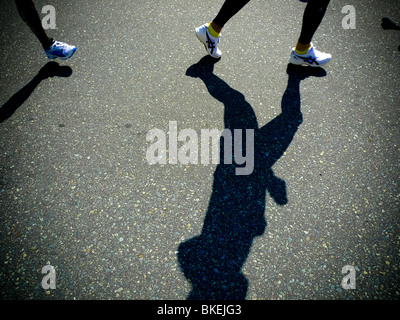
[212, 272]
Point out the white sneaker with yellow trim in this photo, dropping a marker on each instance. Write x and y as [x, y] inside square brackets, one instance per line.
[210, 42]
[313, 57]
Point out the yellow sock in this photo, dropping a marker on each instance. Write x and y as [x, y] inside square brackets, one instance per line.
[302, 52]
[212, 32]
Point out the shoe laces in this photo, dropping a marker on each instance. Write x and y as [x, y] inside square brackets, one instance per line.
[60, 45]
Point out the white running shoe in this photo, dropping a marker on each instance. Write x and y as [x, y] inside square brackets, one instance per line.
[60, 50]
[313, 58]
[210, 43]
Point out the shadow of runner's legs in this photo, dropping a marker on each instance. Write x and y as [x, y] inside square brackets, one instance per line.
[212, 261]
[50, 69]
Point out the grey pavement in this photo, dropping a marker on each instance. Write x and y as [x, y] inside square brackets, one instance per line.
[77, 191]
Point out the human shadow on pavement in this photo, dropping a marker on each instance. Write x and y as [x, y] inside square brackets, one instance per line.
[388, 24]
[212, 261]
[50, 69]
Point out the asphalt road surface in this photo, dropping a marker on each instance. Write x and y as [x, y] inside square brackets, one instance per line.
[78, 191]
